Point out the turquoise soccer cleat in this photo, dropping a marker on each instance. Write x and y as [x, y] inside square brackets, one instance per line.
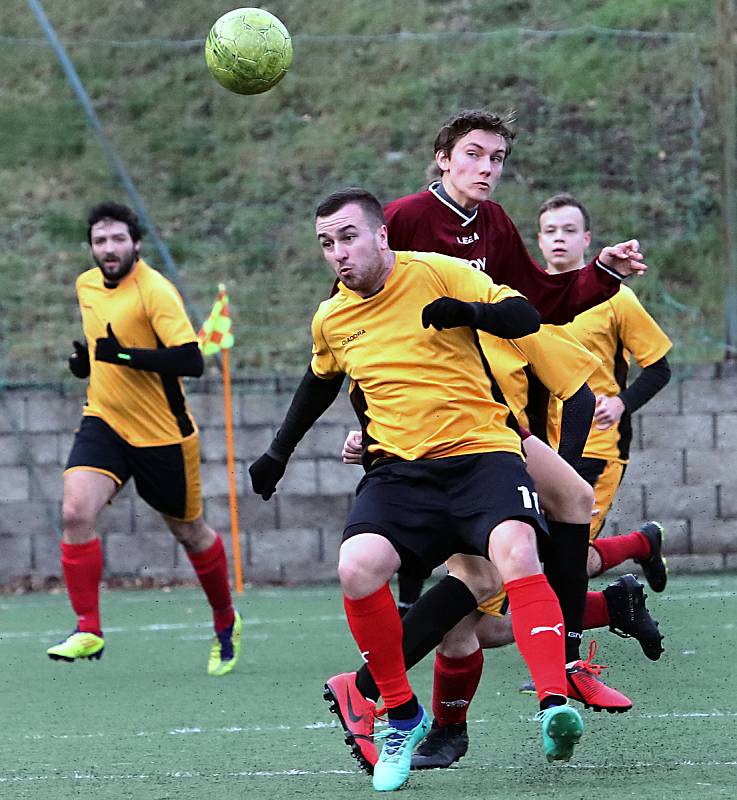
[392, 768]
[562, 729]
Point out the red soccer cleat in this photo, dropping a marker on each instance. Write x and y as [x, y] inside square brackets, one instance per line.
[356, 714]
[585, 686]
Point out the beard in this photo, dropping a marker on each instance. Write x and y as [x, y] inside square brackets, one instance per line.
[115, 272]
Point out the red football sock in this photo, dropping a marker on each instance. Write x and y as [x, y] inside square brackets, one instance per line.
[539, 632]
[596, 611]
[614, 550]
[455, 684]
[211, 566]
[377, 628]
[82, 568]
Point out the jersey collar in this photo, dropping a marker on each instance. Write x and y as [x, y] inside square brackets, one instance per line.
[467, 216]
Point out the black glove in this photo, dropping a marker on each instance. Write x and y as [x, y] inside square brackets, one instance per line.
[265, 473]
[447, 312]
[109, 349]
[79, 360]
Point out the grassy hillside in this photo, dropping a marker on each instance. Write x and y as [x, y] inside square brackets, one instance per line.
[626, 121]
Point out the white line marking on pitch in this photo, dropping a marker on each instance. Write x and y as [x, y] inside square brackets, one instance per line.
[183, 731]
[170, 626]
[290, 773]
[191, 730]
[698, 596]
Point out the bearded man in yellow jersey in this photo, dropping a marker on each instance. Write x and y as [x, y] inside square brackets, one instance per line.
[616, 330]
[139, 343]
[445, 472]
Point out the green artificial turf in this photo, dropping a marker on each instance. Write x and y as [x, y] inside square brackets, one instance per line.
[146, 721]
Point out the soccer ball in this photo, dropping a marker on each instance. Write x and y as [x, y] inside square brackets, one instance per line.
[248, 50]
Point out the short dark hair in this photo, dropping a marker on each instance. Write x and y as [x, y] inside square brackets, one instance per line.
[474, 119]
[561, 201]
[369, 204]
[116, 211]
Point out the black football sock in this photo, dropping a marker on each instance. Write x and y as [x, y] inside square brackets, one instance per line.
[436, 612]
[566, 553]
[410, 588]
[408, 710]
[552, 700]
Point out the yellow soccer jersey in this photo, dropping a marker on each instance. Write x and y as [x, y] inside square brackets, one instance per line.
[615, 331]
[531, 370]
[427, 392]
[144, 310]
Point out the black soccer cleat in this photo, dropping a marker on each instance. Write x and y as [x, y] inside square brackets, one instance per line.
[654, 567]
[442, 747]
[629, 617]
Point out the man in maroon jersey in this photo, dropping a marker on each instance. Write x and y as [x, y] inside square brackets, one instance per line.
[455, 216]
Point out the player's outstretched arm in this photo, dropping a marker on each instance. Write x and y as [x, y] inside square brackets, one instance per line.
[179, 361]
[79, 360]
[313, 397]
[512, 318]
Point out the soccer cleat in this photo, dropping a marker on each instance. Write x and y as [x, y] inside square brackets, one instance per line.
[562, 730]
[528, 687]
[443, 746]
[356, 714]
[655, 567]
[79, 644]
[585, 686]
[226, 648]
[629, 617]
[392, 768]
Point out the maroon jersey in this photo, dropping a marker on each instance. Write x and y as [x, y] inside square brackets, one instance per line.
[431, 221]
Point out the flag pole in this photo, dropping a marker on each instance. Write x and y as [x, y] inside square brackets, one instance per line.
[234, 532]
[216, 336]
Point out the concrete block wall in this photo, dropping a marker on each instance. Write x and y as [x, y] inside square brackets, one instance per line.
[292, 538]
[683, 472]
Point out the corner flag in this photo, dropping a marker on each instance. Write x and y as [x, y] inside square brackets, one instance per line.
[215, 333]
[214, 336]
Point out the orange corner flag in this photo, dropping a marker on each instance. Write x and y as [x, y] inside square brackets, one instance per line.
[216, 333]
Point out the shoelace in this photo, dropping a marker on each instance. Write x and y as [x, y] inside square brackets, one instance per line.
[395, 741]
[587, 665]
[545, 712]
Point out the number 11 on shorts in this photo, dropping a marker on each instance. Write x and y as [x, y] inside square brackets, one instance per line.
[529, 498]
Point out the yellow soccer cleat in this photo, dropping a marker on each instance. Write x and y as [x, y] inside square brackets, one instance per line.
[226, 648]
[79, 644]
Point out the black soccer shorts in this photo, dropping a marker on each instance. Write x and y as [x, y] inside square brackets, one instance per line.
[432, 508]
[166, 476]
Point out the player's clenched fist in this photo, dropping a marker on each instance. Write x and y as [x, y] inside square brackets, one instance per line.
[79, 361]
[352, 448]
[265, 473]
[447, 312]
